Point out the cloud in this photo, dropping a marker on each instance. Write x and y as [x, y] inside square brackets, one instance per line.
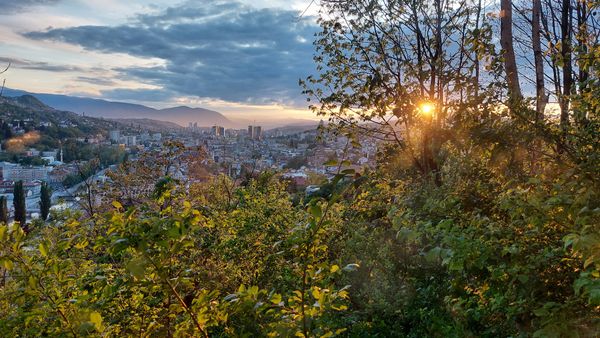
[15, 6]
[221, 50]
[43, 66]
[100, 81]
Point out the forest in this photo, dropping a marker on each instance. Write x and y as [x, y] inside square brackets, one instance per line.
[480, 218]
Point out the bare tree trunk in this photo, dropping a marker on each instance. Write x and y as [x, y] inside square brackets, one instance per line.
[583, 40]
[476, 59]
[566, 51]
[439, 60]
[510, 62]
[541, 97]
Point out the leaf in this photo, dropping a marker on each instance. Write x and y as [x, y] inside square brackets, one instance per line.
[316, 211]
[589, 261]
[43, 249]
[136, 267]
[334, 269]
[330, 163]
[253, 290]
[7, 264]
[117, 205]
[349, 172]
[96, 319]
[276, 298]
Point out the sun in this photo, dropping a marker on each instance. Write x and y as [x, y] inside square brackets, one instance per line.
[427, 108]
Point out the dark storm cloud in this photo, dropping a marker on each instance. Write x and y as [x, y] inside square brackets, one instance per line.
[15, 6]
[223, 50]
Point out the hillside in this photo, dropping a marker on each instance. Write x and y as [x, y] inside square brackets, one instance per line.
[119, 110]
[29, 109]
[149, 124]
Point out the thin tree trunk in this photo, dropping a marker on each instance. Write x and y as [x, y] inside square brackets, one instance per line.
[541, 97]
[566, 51]
[510, 62]
[476, 60]
[583, 40]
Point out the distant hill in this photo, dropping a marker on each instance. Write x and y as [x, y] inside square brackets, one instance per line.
[29, 108]
[149, 124]
[120, 110]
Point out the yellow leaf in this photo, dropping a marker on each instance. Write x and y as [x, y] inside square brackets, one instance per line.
[3, 230]
[96, 319]
[43, 249]
[340, 331]
[117, 205]
[334, 268]
[276, 299]
[8, 264]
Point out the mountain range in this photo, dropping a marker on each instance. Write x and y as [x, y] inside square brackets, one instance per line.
[119, 110]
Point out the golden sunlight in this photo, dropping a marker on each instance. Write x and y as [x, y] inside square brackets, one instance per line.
[427, 108]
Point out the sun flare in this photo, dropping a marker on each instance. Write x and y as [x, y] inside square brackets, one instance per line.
[427, 108]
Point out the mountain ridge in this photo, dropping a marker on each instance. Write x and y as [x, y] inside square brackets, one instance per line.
[101, 108]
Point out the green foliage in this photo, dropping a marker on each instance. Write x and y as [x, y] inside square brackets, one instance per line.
[4, 215]
[19, 204]
[177, 266]
[45, 200]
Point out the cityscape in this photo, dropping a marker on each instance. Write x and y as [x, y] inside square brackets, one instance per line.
[299, 154]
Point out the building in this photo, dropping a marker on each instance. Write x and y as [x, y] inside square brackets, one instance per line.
[250, 130]
[131, 140]
[16, 172]
[257, 133]
[114, 135]
[217, 131]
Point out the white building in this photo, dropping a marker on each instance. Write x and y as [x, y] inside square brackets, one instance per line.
[114, 135]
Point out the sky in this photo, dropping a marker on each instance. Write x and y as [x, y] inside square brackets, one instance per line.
[243, 58]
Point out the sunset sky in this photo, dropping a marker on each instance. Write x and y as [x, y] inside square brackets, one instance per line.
[242, 58]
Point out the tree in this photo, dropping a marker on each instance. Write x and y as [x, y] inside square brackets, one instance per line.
[566, 60]
[541, 97]
[19, 205]
[380, 62]
[510, 61]
[3, 210]
[45, 200]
